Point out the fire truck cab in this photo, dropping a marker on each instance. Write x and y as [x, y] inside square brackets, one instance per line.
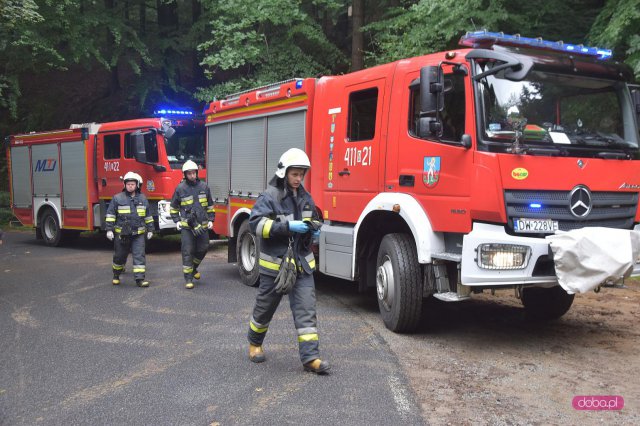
[441, 175]
[61, 181]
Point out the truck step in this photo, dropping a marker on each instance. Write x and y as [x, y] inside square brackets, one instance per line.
[454, 257]
[450, 296]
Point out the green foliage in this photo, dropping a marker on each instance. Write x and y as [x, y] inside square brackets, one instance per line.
[617, 27]
[270, 41]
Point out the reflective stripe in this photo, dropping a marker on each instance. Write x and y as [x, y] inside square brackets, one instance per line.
[202, 199]
[138, 268]
[312, 264]
[269, 265]
[141, 211]
[118, 267]
[196, 261]
[186, 200]
[184, 224]
[110, 219]
[307, 337]
[266, 229]
[124, 209]
[210, 209]
[307, 214]
[187, 269]
[307, 330]
[148, 219]
[174, 211]
[256, 328]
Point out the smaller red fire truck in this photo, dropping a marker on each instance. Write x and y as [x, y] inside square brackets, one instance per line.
[61, 181]
[442, 175]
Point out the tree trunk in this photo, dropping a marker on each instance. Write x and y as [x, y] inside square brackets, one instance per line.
[357, 39]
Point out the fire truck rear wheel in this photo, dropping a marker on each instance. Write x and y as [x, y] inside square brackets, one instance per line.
[50, 228]
[247, 250]
[546, 303]
[399, 283]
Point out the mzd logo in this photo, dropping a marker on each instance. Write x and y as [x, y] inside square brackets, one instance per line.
[46, 165]
[431, 171]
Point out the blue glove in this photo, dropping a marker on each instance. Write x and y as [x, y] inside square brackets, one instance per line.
[298, 226]
[316, 234]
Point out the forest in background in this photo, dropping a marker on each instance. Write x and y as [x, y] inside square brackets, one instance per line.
[73, 61]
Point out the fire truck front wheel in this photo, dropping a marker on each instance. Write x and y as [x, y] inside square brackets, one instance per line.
[546, 303]
[50, 228]
[247, 250]
[399, 283]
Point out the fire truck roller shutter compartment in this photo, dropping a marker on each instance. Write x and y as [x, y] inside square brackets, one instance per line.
[247, 157]
[284, 131]
[218, 161]
[20, 177]
[74, 184]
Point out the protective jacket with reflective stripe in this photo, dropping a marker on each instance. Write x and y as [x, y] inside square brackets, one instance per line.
[270, 215]
[192, 198]
[129, 214]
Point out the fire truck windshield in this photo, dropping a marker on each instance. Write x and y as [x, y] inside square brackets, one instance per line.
[574, 114]
[186, 144]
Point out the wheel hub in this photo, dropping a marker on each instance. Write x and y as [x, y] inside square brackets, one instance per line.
[248, 252]
[385, 283]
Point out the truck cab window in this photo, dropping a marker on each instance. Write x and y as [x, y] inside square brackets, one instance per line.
[128, 146]
[151, 147]
[111, 147]
[453, 114]
[362, 114]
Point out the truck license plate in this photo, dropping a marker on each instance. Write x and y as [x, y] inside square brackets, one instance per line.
[535, 225]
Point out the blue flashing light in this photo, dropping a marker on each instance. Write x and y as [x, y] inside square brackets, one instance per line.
[173, 112]
[484, 37]
[298, 84]
[535, 205]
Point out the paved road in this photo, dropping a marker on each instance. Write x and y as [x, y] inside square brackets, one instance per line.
[77, 350]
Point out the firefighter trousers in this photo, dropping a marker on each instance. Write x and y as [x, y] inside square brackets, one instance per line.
[302, 300]
[194, 249]
[121, 247]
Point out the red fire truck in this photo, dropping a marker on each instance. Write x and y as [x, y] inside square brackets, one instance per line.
[440, 175]
[61, 181]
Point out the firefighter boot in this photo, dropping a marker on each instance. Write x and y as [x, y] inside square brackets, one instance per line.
[115, 280]
[142, 283]
[317, 366]
[196, 275]
[189, 285]
[256, 354]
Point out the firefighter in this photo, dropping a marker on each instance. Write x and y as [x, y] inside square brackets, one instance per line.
[284, 218]
[192, 211]
[128, 216]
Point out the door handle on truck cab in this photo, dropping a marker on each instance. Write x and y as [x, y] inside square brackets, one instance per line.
[344, 172]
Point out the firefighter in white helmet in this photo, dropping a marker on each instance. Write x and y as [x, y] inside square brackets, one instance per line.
[129, 218]
[285, 220]
[192, 211]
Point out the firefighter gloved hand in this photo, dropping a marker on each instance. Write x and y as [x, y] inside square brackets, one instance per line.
[149, 235]
[210, 225]
[110, 235]
[298, 226]
[178, 226]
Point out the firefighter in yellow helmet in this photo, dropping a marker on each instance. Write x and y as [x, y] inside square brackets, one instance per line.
[128, 222]
[284, 218]
[192, 211]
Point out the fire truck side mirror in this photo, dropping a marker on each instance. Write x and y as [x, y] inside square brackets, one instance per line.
[139, 151]
[167, 130]
[431, 91]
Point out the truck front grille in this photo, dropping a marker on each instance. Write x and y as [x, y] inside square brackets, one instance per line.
[608, 209]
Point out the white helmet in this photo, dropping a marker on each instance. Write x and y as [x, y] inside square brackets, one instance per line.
[189, 165]
[133, 176]
[293, 157]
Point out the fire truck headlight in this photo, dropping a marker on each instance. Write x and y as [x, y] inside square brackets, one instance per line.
[503, 256]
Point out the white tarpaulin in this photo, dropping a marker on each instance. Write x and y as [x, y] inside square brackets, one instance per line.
[585, 258]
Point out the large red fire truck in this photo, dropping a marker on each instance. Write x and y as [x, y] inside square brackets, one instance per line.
[61, 181]
[440, 175]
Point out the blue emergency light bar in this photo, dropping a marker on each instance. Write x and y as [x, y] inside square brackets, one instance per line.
[171, 112]
[480, 38]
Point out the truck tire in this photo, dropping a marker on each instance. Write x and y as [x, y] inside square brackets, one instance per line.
[399, 283]
[247, 252]
[50, 228]
[545, 304]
